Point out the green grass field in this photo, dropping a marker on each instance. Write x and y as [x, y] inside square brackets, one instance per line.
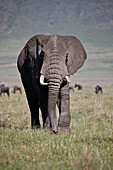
[88, 146]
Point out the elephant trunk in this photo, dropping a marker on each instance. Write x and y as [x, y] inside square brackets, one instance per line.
[53, 91]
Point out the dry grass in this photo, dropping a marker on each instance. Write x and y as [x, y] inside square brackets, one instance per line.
[88, 146]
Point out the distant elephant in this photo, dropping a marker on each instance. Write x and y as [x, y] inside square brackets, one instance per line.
[79, 86]
[17, 88]
[71, 88]
[45, 64]
[4, 89]
[97, 89]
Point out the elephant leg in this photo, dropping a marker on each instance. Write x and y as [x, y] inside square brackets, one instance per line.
[64, 109]
[34, 108]
[33, 105]
[45, 117]
[52, 113]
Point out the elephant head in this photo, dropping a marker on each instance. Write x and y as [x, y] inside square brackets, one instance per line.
[61, 57]
[63, 53]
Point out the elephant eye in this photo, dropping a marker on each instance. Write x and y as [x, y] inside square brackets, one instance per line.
[42, 54]
[66, 58]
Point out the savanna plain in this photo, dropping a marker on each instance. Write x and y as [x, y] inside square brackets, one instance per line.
[88, 146]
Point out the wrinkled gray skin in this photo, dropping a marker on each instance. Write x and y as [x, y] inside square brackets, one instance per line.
[54, 57]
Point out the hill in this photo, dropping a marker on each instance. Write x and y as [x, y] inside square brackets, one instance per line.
[85, 18]
[90, 21]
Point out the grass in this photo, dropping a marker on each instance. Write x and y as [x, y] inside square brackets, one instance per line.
[88, 146]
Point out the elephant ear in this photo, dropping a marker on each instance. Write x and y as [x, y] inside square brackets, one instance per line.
[22, 57]
[76, 55]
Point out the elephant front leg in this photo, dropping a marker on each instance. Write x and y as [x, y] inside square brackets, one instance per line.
[64, 110]
[34, 108]
[52, 117]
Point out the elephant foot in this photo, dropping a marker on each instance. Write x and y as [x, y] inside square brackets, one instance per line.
[64, 130]
[55, 130]
[46, 124]
[36, 126]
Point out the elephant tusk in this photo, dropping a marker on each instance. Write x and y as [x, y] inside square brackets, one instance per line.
[68, 79]
[42, 80]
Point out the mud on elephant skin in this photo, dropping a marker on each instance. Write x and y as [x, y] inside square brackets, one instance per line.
[45, 65]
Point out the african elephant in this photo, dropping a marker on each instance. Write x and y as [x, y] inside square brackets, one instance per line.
[97, 89]
[45, 64]
[78, 86]
[17, 88]
[4, 89]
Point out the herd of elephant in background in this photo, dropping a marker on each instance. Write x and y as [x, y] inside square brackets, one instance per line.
[79, 87]
[5, 89]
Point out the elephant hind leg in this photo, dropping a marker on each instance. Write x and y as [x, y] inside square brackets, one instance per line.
[45, 117]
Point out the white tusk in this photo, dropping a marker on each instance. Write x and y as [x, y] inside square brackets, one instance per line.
[42, 80]
[68, 79]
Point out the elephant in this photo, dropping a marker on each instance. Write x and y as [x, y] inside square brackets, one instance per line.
[97, 89]
[78, 86]
[71, 88]
[4, 89]
[45, 65]
[17, 88]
